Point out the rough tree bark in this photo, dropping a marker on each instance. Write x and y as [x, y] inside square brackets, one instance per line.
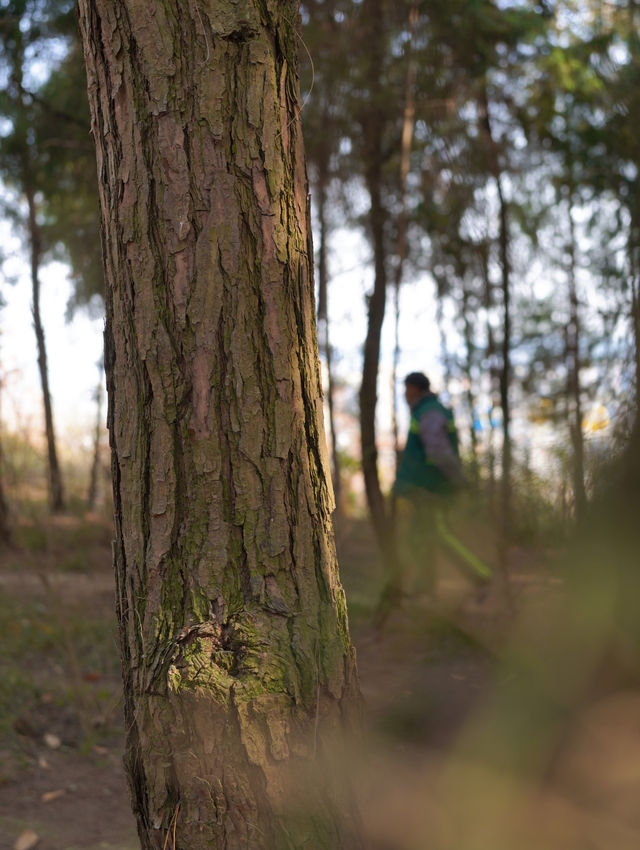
[237, 660]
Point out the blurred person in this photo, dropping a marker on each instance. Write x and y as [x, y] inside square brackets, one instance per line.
[429, 474]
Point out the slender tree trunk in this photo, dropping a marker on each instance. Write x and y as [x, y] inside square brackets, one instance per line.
[373, 166]
[635, 320]
[633, 253]
[371, 361]
[408, 124]
[56, 493]
[323, 321]
[5, 527]
[574, 388]
[490, 357]
[92, 494]
[470, 394]
[445, 354]
[505, 371]
[505, 348]
[394, 377]
[238, 667]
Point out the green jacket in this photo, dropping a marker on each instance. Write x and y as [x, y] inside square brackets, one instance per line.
[416, 468]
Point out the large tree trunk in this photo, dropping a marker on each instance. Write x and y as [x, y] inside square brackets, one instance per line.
[237, 662]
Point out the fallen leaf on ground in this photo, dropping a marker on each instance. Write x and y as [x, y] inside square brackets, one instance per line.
[52, 741]
[23, 726]
[43, 763]
[48, 796]
[91, 677]
[100, 751]
[27, 840]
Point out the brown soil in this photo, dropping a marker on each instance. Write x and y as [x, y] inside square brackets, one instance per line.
[447, 767]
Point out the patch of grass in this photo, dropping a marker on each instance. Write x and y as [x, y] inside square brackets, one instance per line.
[38, 638]
[16, 694]
[69, 535]
[33, 538]
[75, 562]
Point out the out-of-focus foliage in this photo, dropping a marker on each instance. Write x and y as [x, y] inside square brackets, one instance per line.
[70, 188]
[545, 98]
[44, 120]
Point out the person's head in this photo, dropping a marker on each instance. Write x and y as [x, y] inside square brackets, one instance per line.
[415, 386]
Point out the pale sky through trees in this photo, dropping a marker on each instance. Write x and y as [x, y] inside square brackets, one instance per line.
[75, 347]
[74, 350]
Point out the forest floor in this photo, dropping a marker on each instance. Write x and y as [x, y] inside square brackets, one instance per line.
[466, 748]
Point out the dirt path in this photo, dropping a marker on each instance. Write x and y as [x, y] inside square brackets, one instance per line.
[456, 755]
[419, 680]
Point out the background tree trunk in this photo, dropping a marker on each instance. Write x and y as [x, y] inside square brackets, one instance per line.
[490, 355]
[633, 252]
[56, 493]
[402, 248]
[504, 380]
[635, 322]
[372, 128]
[505, 370]
[323, 319]
[92, 493]
[5, 526]
[27, 182]
[470, 394]
[574, 385]
[237, 661]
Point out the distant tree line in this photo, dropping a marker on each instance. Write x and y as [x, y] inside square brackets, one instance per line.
[494, 143]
